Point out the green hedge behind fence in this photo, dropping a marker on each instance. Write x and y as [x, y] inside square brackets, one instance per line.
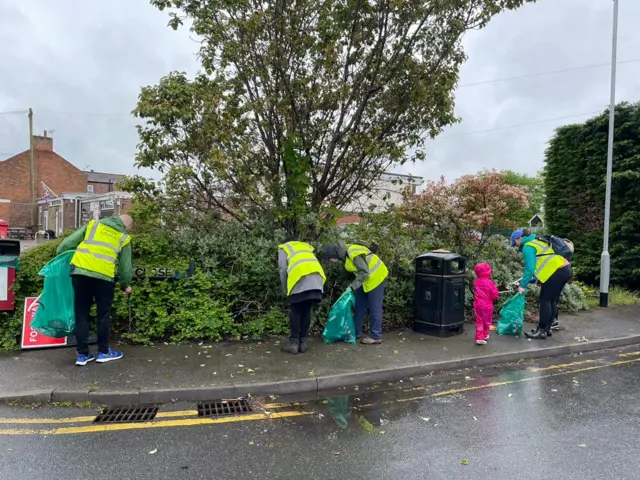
[235, 290]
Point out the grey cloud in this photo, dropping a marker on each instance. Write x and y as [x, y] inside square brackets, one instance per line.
[81, 65]
[89, 57]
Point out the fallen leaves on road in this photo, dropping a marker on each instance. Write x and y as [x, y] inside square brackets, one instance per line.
[252, 442]
[426, 419]
[475, 418]
[510, 395]
[312, 373]
[582, 445]
[395, 352]
[365, 424]
[202, 365]
[464, 462]
[153, 452]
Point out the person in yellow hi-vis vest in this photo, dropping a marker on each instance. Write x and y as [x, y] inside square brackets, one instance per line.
[368, 286]
[100, 247]
[550, 269]
[302, 280]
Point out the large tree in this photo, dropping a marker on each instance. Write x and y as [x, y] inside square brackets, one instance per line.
[575, 174]
[304, 104]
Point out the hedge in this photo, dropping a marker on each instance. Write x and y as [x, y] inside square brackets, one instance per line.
[575, 172]
[235, 291]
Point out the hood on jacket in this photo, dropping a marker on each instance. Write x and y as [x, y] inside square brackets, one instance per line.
[527, 240]
[114, 222]
[483, 270]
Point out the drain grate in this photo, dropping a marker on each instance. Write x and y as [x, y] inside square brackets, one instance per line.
[223, 408]
[127, 415]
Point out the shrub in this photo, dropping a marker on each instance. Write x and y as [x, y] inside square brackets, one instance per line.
[236, 292]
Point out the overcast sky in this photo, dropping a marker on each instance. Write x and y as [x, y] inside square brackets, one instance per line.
[80, 66]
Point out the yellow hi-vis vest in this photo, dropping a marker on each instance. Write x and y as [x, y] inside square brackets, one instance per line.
[547, 262]
[99, 250]
[300, 262]
[377, 270]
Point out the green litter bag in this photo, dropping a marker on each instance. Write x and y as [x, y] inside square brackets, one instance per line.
[55, 316]
[340, 326]
[512, 316]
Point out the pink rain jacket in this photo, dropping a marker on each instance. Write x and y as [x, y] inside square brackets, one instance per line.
[485, 291]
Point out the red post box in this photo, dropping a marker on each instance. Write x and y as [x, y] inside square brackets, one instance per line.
[9, 264]
[4, 229]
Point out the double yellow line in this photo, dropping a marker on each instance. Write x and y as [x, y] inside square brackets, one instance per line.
[178, 420]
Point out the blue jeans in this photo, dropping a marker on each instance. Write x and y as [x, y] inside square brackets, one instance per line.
[373, 302]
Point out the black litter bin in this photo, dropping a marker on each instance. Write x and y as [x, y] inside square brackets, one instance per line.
[439, 293]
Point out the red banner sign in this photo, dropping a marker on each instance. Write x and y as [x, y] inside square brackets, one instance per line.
[31, 338]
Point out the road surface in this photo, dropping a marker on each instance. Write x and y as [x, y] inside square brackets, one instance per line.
[567, 418]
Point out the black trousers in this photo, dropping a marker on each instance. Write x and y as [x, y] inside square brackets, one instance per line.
[550, 294]
[300, 318]
[86, 289]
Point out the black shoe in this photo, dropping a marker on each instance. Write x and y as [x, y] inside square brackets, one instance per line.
[291, 346]
[549, 333]
[537, 334]
[304, 345]
[555, 325]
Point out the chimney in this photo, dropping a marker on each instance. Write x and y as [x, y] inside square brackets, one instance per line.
[43, 142]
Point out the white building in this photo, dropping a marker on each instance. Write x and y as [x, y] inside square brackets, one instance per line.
[387, 192]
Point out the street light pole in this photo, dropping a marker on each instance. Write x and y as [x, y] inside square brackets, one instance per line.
[605, 260]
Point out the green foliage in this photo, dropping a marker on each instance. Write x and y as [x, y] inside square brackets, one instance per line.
[575, 174]
[320, 93]
[463, 213]
[618, 296]
[535, 190]
[236, 292]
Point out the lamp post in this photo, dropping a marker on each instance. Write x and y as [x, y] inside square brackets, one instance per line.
[605, 260]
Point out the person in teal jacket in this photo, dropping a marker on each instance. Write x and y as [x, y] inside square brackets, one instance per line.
[553, 272]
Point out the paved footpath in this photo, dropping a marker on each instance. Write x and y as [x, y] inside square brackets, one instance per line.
[164, 373]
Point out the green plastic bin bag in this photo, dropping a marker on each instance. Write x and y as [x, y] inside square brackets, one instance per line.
[55, 316]
[340, 326]
[512, 316]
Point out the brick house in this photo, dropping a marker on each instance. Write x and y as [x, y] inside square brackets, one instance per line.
[49, 167]
[100, 183]
[69, 189]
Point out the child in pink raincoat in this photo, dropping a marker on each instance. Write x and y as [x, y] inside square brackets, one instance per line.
[485, 293]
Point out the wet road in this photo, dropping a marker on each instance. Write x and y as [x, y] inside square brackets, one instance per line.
[567, 418]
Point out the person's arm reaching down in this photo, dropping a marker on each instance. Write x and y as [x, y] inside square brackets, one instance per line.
[125, 267]
[282, 267]
[494, 292]
[362, 271]
[529, 255]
